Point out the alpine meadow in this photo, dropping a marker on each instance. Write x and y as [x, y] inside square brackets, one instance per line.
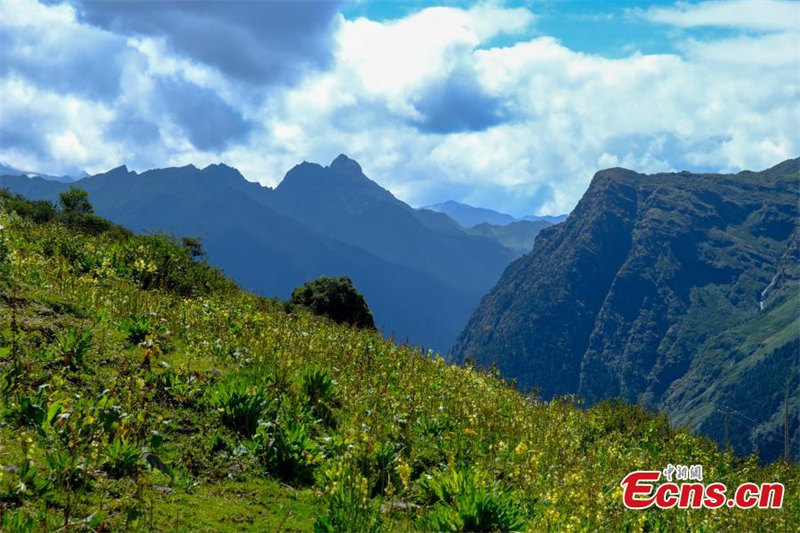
[143, 390]
[343, 266]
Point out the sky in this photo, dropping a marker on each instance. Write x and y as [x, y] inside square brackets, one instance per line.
[506, 105]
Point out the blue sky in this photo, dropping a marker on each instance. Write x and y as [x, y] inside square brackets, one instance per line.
[604, 28]
[507, 105]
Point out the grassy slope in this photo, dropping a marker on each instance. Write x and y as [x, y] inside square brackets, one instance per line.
[391, 419]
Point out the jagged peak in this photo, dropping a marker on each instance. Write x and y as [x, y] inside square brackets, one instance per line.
[121, 170]
[223, 170]
[344, 165]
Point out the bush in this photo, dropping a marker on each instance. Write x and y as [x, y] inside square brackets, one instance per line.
[73, 345]
[337, 299]
[287, 451]
[377, 465]
[469, 501]
[241, 404]
[123, 457]
[26, 482]
[348, 505]
[136, 327]
[320, 391]
[18, 522]
[67, 470]
[38, 211]
[75, 200]
[28, 411]
[194, 246]
[159, 262]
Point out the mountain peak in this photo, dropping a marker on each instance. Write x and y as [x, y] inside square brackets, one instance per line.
[344, 165]
[222, 170]
[120, 171]
[469, 216]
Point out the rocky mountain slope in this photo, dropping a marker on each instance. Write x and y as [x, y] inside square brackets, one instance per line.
[674, 290]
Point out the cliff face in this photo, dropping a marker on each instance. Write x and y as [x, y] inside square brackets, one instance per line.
[656, 289]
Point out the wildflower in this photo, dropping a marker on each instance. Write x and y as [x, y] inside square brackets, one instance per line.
[404, 471]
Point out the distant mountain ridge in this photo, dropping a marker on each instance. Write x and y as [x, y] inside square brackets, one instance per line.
[519, 235]
[470, 216]
[420, 271]
[6, 170]
[680, 291]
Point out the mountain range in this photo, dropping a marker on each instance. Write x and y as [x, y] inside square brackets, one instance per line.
[6, 170]
[420, 271]
[469, 216]
[678, 291]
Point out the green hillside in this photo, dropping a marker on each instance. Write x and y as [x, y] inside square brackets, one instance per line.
[141, 390]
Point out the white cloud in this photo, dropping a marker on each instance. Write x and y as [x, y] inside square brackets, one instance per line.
[549, 116]
[391, 59]
[772, 50]
[763, 15]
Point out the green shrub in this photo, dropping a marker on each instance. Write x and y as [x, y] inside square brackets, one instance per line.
[337, 299]
[26, 482]
[28, 410]
[75, 200]
[321, 394]
[136, 328]
[288, 452]
[348, 506]
[469, 501]
[38, 211]
[123, 457]
[378, 466]
[17, 522]
[241, 405]
[67, 470]
[174, 388]
[318, 385]
[72, 345]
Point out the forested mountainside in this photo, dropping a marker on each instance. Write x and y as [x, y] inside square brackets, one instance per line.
[142, 390]
[679, 291]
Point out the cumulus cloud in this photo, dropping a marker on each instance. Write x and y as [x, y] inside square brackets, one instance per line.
[444, 103]
[44, 129]
[254, 41]
[457, 103]
[45, 46]
[209, 122]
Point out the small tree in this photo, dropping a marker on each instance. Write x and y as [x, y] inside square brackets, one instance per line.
[75, 200]
[194, 246]
[337, 299]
